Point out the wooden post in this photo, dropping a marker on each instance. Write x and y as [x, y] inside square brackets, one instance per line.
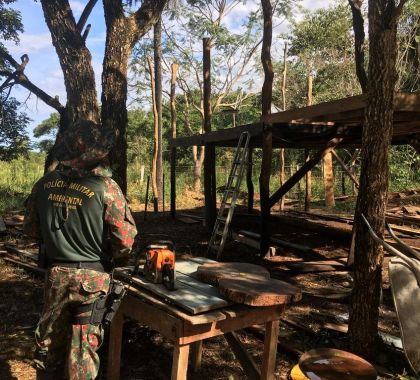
[114, 350]
[329, 180]
[308, 184]
[270, 350]
[267, 136]
[174, 68]
[308, 176]
[249, 183]
[210, 154]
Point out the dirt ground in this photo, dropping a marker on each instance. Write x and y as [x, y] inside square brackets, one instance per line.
[313, 322]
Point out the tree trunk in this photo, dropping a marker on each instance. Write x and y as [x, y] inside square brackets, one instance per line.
[75, 61]
[371, 201]
[329, 180]
[267, 136]
[209, 156]
[122, 33]
[174, 69]
[359, 42]
[283, 92]
[157, 50]
[114, 89]
[155, 139]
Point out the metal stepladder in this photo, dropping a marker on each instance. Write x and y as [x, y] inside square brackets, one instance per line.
[224, 217]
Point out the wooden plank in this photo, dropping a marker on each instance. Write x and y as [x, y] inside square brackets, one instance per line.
[306, 114]
[243, 356]
[200, 286]
[180, 362]
[270, 350]
[259, 292]
[331, 111]
[214, 272]
[199, 319]
[316, 266]
[279, 242]
[346, 169]
[237, 317]
[29, 267]
[188, 298]
[246, 240]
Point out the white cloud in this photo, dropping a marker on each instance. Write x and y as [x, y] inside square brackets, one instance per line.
[30, 43]
[77, 6]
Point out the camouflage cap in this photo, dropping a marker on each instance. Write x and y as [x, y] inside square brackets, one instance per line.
[83, 143]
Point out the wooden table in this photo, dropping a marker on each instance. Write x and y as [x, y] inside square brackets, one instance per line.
[186, 331]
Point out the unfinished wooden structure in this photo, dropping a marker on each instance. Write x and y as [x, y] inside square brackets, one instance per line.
[320, 128]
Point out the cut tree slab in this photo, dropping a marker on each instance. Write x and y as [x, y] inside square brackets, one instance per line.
[213, 272]
[258, 292]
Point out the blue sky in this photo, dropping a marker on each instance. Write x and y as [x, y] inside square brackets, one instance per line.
[44, 69]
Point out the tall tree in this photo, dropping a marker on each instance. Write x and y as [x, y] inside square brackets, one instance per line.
[157, 49]
[69, 39]
[377, 132]
[13, 137]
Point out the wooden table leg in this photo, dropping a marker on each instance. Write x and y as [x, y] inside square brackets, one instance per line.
[196, 351]
[114, 350]
[180, 362]
[270, 350]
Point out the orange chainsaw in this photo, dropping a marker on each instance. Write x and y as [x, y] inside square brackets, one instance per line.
[159, 267]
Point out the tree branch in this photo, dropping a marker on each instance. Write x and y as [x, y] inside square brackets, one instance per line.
[145, 17]
[20, 78]
[359, 41]
[85, 15]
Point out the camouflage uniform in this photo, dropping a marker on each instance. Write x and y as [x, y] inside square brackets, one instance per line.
[81, 215]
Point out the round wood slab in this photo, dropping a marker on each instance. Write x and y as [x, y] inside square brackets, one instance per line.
[213, 272]
[332, 364]
[258, 292]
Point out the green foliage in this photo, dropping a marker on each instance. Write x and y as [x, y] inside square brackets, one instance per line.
[13, 138]
[321, 44]
[47, 127]
[10, 25]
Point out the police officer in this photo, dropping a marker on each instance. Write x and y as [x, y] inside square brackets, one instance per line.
[82, 218]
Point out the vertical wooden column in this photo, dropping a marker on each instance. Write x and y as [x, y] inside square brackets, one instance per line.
[329, 180]
[174, 68]
[308, 184]
[267, 136]
[210, 154]
[249, 183]
[270, 350]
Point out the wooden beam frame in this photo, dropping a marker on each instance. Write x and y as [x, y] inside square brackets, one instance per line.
[295, 178]
[346, 169]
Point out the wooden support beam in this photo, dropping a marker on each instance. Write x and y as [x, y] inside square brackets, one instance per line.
[243, 356]
[346, 169]
[295, 178]
[249, 183]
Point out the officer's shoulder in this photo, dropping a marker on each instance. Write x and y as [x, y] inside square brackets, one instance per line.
[111, 185]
